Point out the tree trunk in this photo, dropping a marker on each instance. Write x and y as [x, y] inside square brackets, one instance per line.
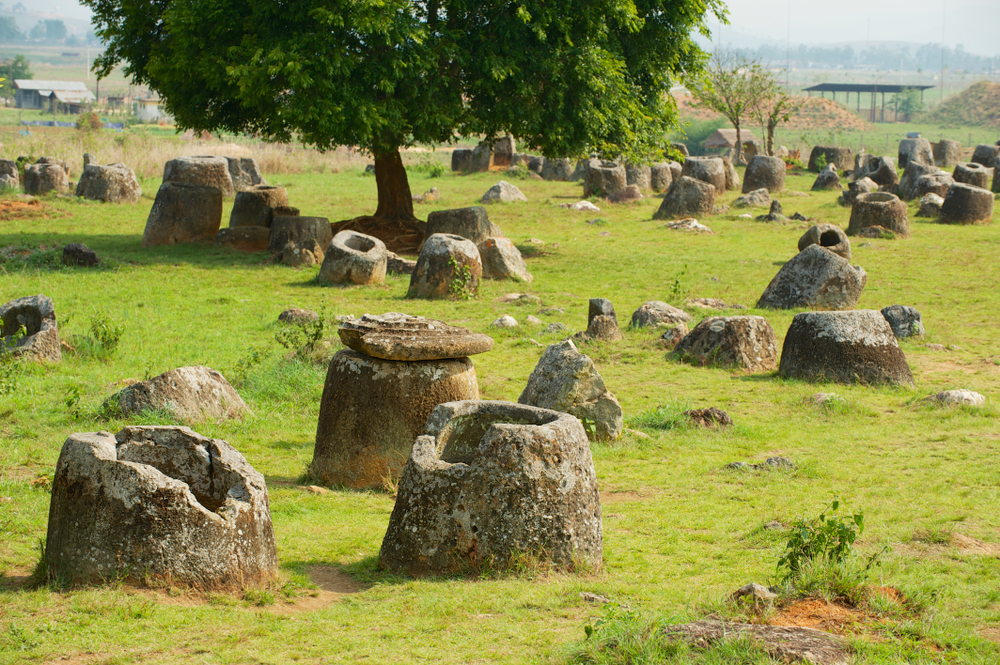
[393, 222]
[737, 156]
[771, 125]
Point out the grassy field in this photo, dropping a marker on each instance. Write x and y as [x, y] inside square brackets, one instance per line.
[680, 531]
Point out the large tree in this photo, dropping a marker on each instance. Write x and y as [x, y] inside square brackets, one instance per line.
[564, 76]
[734, 86]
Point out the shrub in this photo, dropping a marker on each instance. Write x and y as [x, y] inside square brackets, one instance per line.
[829, 536]
[90, 122]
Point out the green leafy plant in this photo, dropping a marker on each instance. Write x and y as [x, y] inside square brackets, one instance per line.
[72, 402]
[821, 161]
[432, 167]
[90, 122]
[677, 288]
[305, 338]
[105, 331]
[829, 536]
[460, 287]
[11, 367]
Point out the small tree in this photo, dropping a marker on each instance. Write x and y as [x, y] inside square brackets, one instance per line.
[733, 85]
[906, 103]
[774, 107]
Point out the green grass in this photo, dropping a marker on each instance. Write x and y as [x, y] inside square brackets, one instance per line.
[679, 530]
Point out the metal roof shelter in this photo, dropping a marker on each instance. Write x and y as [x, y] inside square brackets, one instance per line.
[33, 94]
[865, 88]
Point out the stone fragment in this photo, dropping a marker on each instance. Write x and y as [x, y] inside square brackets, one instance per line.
[158, 502]
[827, 179]
[183, 213]
[243, 238]
[915, 150]
[566, 380]
[470, 223]
[298, 315]
[555, 329]
[557, 169]
[732, 176]
[687, 197]
[712, 418]
[302, 253]
[747, 342]
[534, 321]
[244, 173]
[600, 307]
[581, 205]
[448, 265]
[879, 209]
[907, 188]
[396, 336]
[785, 644]
[961, 397]
[876, 232]
[372, 410]
[758, 198]
[503, 192]
[709, 170]
[505, 322]
[41, 179]
[930, 205]
[285, 229]
[691, 224]
[626, 195]
[754, 594]
[840, 157]
[856, 346]
[657, 313]
[490, 483]
[502, 260]
[256, 204]
[10, 177]
[829, 236]
[817, 278]
[673, 336]
[354, 258]
[973, 174]
[202, 171]
[28, 329]
[855, 189]
[398, 265]
[904, 321]
[775, 214]
[78, 254]
[965, 204]
[191, 394]
[114, 183]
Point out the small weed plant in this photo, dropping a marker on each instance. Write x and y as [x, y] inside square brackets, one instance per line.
[434, 168]
[829, 537]
[460, 287]
[821, 162]
[303, 338]
[105, 333]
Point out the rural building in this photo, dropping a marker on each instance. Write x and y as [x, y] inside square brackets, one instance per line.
[148, 111]
[726, 138]
[63, 96]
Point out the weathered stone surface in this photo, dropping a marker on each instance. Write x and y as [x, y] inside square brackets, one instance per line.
[40, 338]
[78, 254]
[687, 197]
[657, 313]
[244, 173]
[601, 328]
[40, 179]
[372, 409]
[285, 229]
[840, 157]
[660, 177]
[676, 170]
[160, 502]
[995, 185]
[503, 192]
[732, 176]
[396, 336]
[879, 209]
[566, 380]
[830, 236]
[784, 643]
[711, 418]
[877, 232]
[191, 394]
[244, 238]
[907, 187]
[10, 178]
[114, 183]
[960, 396]
[673, 336]
[490, 483]
[298, 315]
[600, 307]
[254, 205]
[847, 347]
[732, 341]
[935, 183]
[626, 195]
[398, 265]
[557, 169]
[710, 170]
[461, 160]
[302, 253]
[505, 321]
[690, 224]
[471, 223]
[758, 198]
[965, 204]
[203, 171]
[930, 205]
[446, 263]
[973, 174]
[815, 277]
[915, 150]
[764, 172]
[639, 175]
[603, 178]
[502, 260]
[183, 213]
[827, 179]
[354, 258]
[947, 152]
[774, 214]
[986, 154]
[857, 188]
[904, 321]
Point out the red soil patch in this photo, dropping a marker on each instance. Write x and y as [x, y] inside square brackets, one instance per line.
[15, 209]
[835, 617]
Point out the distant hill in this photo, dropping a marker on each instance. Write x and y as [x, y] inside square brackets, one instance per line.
[816, 113]
[976, 106]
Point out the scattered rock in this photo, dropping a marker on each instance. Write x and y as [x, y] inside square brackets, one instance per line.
[354, 258]
[907, 188]
[626, 194]
[879, 209]
[904, 321]
[783, 643]
[710, 170]
[769, 464]
[297, 315]
[934, 347]
[603, 178]
[712, 418]
[191, 394]
[708, 303]
[10, 178]
[966, 204]
[243, 238]
[774, 214]
[302, 253]
[915, 150]
[36, 315]
[930, 205]
[672, 337]
[593, 598]
[947, 152]
[855, 189]
[655, 312]
[747, 342]
[638, 175]
[522, 299]
[40, 179]
[505, 322]
[754, 594]
[876, 232]
[114, 183]
[398, 265]
[691, 224]
[732, 176]
[502, 260]
[557, 169]
[815, 277]
[973, 174]
[581, 205]
[448, 265]
[961, 396]
[827, 179]
[660, 177]
[396, 336]
[828, 236]
[183, 213]
[534, 321]
[686, 197]
[758, 198]
[822, 399]
[244, 173]
[764, 173]
[567, 380]
[986, 154]
[78, 254]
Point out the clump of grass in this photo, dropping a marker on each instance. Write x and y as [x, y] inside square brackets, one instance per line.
[665, 417]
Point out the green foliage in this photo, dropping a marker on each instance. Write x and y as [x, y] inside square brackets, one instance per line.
[460, 287]
[697, 131]
[434, 168]
[677, 288]
[664, 417]
[259, 597]
[106, 331]
[10, 33]
[305, 338]
[820, 163]
[72, 401]
[829, 536]
[906, 103]
[90, 122]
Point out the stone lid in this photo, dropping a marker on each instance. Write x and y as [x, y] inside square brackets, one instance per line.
[396, 336]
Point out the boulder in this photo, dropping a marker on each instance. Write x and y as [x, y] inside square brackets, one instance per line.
[774, 214]
[879, 209]
[354, 258]
[856, 188]
[255, 205]
[114, 183]
[503, 192]
[783, 644]
[681, 148]
[244, 173]
[829, 236]
[710, 418]
[904, 321]
[298, 315]
[936, 183]
[41, 179]
[481, 158]
[395, 336]
[827, 179]
[817, 278]
[747, 342]
[285, 229]
[302, 253]
[162, 503]
[191, 394]
[840, 157]
[673, 336]
[961, 397]
[946, 152]
[930, 205]
[502, 260]
[732, 176]
[884, 172]
[372, 409]
[603, 178]
[28, 329]
[626, 195]
[397, 265]
[639, 175]
[710, 170]
[566, 380]
[471, 223]
[857, 346]
[504, 322]
[687, 197]
[660, 177]
[915, 150]
[557, 169]
[203, 171]
[243, 238]
[764, 173]
[504, 150]
[10, 178]
[986, 155]
[973, 174]
[53, 160]
[907, 187]
[601, 307]
[490, 483]
[965, 204]
[78, 254]
[448, 265]
[758, 198]
[656, 313]
[183, 213]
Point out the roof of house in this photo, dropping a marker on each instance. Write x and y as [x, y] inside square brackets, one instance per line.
[41, 86]
[726, 138]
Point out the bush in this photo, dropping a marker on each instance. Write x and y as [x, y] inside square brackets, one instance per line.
[89, 122]
[829, 537]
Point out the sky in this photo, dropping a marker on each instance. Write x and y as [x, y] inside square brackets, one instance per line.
[972, 23]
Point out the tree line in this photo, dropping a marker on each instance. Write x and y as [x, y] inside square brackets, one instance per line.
[924, 58]
[46, 31]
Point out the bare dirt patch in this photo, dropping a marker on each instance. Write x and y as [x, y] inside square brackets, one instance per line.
[333, 585]
[16, 209]
[832, 617]
[624, 496]
[13, 579]
[967, 545]
[991, 633]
